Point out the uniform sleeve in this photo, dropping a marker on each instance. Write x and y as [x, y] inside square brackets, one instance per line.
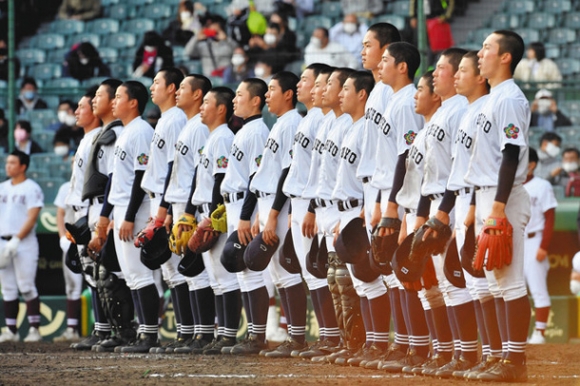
[35, 197]
[454, 124]
[407, 125]
[220, 155]
[256, 149]
[198, 140]
[60, 199]
[513, 120]
[142, 148]
[287, 142]
[172, 134]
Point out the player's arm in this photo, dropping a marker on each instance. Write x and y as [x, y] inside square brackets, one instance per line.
[106, 210]
[550, 219]
[269, 232]
[470, 217]
[216, 196]
[309, 222]
[60, 221]
[423, 209]
[442, 214]
[31, 218]
[126, 231]
[164, 205]
[507, 175]
[244, 225]
[392, 206]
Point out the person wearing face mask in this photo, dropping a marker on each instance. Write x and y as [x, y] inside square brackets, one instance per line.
[322, 50]
[152, 56]
[28, 98]
[545, 112]
[535, 67]
[549, 156]
[239, 69]
[22, 140]
[83, 62]
[575, 275]
[186, 24]
[567, 174]
[349, 33]
[4, 60]
[68, 135]
[273, 48]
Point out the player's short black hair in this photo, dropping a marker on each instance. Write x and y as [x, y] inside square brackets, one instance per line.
[539, 49]
[23, 158]
[342, 74]
[363, 80]
[172, 75]
[112, 85]
[428, 76]
[454, 56]
[513, 44]
[404, 52]
[224, 96]
[136, 90]
[317, 68]
[257, 88]
[550, 136]
[91, 91]
[199, 82]
[572, 149]
[385, 33]
[532, 155]
[287, 81]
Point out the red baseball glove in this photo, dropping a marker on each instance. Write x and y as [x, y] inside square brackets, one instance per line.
[427, 280]
[146, 234]
[495, 240]
[204, 237]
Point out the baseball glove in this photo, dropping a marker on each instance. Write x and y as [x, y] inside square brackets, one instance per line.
[383, 248]
[147, 233]
[497, 245]
[468, 251]
[434, 245]
[427, 280]
[204, 237]
[219, 220]
[177, 244]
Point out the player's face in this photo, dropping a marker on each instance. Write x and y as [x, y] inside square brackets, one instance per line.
[13, 166]
[275, 97]
[423, 97]
[348, 97]
[102, 104]
[316, 92]
[121, 107]
[387, 68]
[371, 52]
[208, 111]
[159, 90]
[330, 93]
[84, 112]
[466, 77]
[443, 78]
[489, 56]
[304, 86]
[184, 94]
[242, 101]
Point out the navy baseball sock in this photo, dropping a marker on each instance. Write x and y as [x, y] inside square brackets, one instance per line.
[365, 312]
[176, 311]
[219, 311]
[137, 306]
[318, 313]
[481, 327]
[296, 298]
[184, 306]
[259, 302]
[467, 327]
[194, 314]
[454, 332]
[518, 314]
[206, 303]
[101, 322]
[444, 337]
[247, 311]
[401, 335]
[492, 327]
[149, 303]
[11, 314]
[380, 312]
[432, 330]
[332, 332]
[502, 324]
[419, 339]
[285, 309]
[33, 311]
[73, 308]
[232, 311]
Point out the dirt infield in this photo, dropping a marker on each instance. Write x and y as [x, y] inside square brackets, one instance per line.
[55, 364]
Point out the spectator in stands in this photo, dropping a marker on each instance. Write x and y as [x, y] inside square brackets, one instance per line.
[68, 135]
[549, 155]
[264, 70]
[186, 24]
[363, 8]
[4, 61]
[84, 62]
[244, 22]
[537, 68]
[437, 13]
[349, 33]
[567, 175]
[28, 99]
[79, 9]
[213, 46]
[23, 140]
[65, 115]
[278, 53]
[322, 50]
[239, 69]
[152, 55]
[545, 112]
[3, 131]
[287, 39]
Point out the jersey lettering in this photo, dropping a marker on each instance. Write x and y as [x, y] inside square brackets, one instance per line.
[101, 153]
[158, 141]
[464, 139]
[80, 163]
[301, 139]
[415, 155]
[237, 153]
[204, 161]
[483, 123]
[120, 153]
[181, 148]
[16, 199]
[331, 147]
[374, 116]
[272, 145]
[348, 155]
[436, 131]
[385, 127]
[318, 146]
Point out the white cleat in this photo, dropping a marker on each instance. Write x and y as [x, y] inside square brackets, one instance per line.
[68, 335]
[537, 338]
[9, 336]
[33, 335]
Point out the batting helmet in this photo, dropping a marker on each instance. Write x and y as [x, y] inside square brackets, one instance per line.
[452, 266]
[79, 231]
[317, 259]
[383, 249]
[258, 254]
[72, 259]
[404, 268]
[156, 251]
[363, 270]
[288, 258]
[352, 244]
[232, 257]
[109, 254]
[191, 265]
[468, 251]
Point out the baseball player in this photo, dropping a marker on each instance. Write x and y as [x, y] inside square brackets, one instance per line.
[190, 142]
[244, 160]
[498, 168]
[130, 205]
[267, 187]
[21, 200]
[538, 235]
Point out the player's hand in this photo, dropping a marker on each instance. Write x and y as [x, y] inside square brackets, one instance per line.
[256, 227]
[441, 216]
[126, 231]
[168, 223]
[269, 233]
[102, 226]
[244, 232]
[403, 231]
[95, 246]
[497, 211]
[541, 255]
[309, 228]
[470, 217]
[392, 211]
[419, 221]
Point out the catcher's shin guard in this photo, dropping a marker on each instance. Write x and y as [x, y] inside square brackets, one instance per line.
[117, 302]
[352, 318]
[335, 292]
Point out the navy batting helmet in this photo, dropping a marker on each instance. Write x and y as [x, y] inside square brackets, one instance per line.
[405, 269]
[232, 257]
[156, 251]
[258, 254]
[317, 259]
[288, 258]
[79, 231]
[72, 259]
[352, 244]
[192, 264]
[109, 254]
[452, 266]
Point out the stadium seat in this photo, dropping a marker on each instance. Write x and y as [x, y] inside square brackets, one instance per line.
[194, 66]
[45, 71]
[67, 27]
[120, 12]
[120, 40]
[60, 170]
[310, 23]
[553, 51]
[120, 69]
[93, 81]
[45, 117]
[505, 21]
[63, 83]
[57, 55]
[332, 9]
[172, 2]
[519, 7]
[568, 66]
[108, 3]
[179, 55]
[156, 11]
[529, 35]
[43, 137]
[93, 38]
[559, 192]
[216, 81]
[570, 107]
[573, 50]
[557, 6]
[50, 187]
[396, 20]
[541, 20]
[562, 35]
[295, 67]
[572, 20]
[103, 26]
[147, 82]
[37, 174]
[401, 8]
[49, 41]
[139, 2]
[51, 100]
[108, 54]
[138, 26]
[127, 54]
[478, 36]
[30, 56]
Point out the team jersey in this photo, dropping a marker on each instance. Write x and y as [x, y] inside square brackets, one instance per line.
[186, 158]
[277, 153]
[503, 120]
[60, 202]
[77, 180]
[302, 153]
[162, 149]
[213, 160]
[396, 134]
[131, 154]
[331, 156]
[441, 132]
[374, 109]
[15, 202]
[347, 186]
[317, 153]
[410, 193]
[106, 155]
[245, 155]
[542, 199]
[463, 146]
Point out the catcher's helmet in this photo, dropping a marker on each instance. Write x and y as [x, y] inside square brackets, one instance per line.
[288, 258]
[317, 259]
[352, 244]
[232, 257]
[156, 251]
[80, 231]
[452, 266]
[191, 265]
[258, 254]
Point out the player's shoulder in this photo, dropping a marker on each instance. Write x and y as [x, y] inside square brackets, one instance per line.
[540, 184]
[30, 184]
